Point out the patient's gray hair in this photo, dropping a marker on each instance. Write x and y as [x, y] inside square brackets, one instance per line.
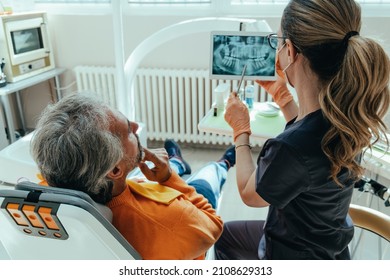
[74, 148]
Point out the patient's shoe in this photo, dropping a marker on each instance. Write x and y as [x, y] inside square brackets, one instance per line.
[229, 157]
[173, 150]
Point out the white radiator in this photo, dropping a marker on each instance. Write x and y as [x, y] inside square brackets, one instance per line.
[97, 79]
[171, 102]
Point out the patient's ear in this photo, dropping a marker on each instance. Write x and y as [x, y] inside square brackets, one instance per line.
[115, 173]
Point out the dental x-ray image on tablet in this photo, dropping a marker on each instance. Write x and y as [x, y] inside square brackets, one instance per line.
[231, 51]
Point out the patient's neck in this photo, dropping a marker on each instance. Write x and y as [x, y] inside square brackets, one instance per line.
[119, 187]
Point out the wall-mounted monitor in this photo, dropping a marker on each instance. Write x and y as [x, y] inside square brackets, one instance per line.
[231, 51]
[25, 45]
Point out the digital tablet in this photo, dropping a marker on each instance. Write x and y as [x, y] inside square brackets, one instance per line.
[231, 51]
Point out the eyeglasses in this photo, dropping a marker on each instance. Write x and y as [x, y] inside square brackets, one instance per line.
[273, 40]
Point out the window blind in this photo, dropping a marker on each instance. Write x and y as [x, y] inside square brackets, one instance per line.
[140, 2]
[173, 2]
[245, 2]
[74, 1]
[169, 2]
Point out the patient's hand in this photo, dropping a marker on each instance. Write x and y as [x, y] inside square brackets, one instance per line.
[161, 170]
[137, 179]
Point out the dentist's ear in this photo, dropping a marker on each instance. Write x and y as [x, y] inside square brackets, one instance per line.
[291, 51]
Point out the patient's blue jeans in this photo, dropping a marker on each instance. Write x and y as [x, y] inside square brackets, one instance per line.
[207, 181]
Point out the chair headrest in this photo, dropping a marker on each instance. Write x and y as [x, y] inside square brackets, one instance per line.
[29, 186]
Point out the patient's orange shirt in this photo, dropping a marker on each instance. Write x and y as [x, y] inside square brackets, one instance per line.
[184, 228]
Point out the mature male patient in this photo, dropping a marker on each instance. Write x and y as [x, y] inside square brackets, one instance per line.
[82, 144]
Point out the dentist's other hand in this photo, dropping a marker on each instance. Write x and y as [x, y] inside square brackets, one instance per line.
[278, 90]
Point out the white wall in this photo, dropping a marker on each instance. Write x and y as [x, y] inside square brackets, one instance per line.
[88, 40]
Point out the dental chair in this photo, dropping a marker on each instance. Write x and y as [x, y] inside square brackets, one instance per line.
[373, 224]
[46, 223]
[371, 220]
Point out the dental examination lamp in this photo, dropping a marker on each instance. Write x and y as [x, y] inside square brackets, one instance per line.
[126, 101]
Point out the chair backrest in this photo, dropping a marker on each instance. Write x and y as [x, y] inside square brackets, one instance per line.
[41, 223]
[371, 220]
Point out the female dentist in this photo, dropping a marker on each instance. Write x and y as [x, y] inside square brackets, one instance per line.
[306, 174]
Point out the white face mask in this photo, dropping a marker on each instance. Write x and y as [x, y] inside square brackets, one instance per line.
[285, 74]
[282, 72]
